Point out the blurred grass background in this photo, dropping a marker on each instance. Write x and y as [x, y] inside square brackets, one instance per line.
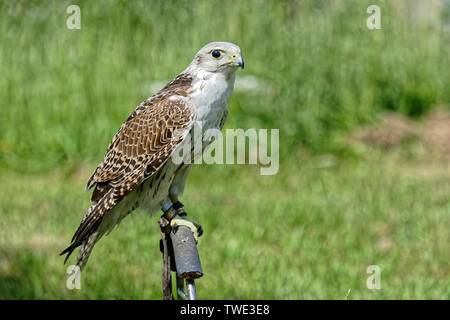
[308, 232]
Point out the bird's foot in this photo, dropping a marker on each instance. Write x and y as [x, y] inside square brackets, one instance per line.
[177, 217]
[179, 221]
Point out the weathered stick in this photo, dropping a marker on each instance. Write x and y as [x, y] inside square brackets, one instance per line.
[165, 247]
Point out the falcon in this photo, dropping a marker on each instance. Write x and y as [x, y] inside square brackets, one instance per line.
[137, 170]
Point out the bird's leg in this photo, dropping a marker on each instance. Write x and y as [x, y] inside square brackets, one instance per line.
[179, 208]
[177, 217]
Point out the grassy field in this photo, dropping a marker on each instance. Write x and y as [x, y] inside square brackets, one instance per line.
[308, 232]
[325, 71]
[313, 236]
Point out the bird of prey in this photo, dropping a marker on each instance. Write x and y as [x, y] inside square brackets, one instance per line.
[137, 170]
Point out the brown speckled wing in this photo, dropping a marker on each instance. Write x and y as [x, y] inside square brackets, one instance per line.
[145, 140]
[142, 145]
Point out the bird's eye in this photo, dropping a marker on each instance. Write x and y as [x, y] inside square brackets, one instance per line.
[215, 53]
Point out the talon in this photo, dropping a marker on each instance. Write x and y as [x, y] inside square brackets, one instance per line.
[196, 229]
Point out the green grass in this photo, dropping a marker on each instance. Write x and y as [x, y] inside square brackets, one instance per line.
[309, 232]
[327, 72]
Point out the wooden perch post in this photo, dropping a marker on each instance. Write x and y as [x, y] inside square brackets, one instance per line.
[180, 255]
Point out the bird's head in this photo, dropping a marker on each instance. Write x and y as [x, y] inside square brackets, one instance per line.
[218, 57]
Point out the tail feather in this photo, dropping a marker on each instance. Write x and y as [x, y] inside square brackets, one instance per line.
[93, 219]
[86, 249]
[69, 251]
[87, 233]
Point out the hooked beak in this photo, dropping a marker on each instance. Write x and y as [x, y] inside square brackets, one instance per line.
[238, 62]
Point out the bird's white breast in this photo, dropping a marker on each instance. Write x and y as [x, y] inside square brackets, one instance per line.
[209, 95]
